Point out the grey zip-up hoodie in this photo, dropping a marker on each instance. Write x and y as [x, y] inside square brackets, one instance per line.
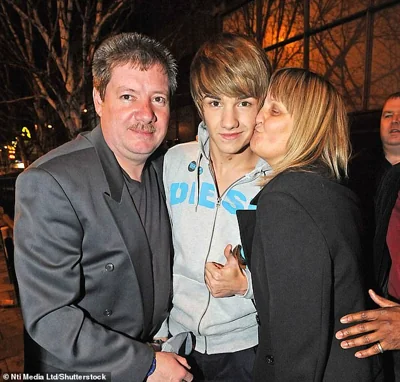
[202, 226]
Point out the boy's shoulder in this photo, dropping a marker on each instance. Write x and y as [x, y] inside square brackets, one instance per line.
[182, 150]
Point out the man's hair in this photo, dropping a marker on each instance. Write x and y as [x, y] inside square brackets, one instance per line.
[391, 96]
[230, 65]
[320, 124]
[138, 50]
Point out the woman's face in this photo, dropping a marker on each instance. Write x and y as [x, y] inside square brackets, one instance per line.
[274, 125]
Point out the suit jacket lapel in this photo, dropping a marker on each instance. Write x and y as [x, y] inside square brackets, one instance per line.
[129, 224]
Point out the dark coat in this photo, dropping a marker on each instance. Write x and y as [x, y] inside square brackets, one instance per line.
[366, 171]
[305, 264]
[385, 201]
[90, 295]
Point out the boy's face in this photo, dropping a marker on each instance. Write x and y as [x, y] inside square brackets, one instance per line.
[230, 122]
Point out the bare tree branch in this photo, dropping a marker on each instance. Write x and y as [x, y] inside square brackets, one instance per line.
[50, 43]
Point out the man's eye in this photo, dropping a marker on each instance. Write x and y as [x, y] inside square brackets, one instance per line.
[126, 97]
[387, 115]
[160, 100]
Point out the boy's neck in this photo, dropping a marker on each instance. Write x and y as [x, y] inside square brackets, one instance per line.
[228, 168]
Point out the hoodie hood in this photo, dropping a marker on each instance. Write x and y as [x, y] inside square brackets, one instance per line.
[204, 140]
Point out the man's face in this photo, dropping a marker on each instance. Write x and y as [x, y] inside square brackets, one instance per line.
[390, 123]
[135, 111]
[230, 122]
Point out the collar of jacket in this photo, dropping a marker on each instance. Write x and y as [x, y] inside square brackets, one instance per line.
[316, 168]
[111, 167]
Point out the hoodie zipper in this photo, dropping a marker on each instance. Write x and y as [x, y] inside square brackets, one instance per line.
[211, 169]
[208, 253]
[218, 203]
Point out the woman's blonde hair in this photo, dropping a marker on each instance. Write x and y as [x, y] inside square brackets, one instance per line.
[320, 124]
[230, 65]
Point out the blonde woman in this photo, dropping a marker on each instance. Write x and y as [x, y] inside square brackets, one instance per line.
[305, 248]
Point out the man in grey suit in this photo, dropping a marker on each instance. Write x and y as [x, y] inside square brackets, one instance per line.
[92, 234]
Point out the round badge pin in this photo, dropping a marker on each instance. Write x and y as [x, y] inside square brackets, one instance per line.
[192, 166]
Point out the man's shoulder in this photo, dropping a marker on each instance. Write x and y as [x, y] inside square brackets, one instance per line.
[73, 160]
[71, 152]
[72, 165]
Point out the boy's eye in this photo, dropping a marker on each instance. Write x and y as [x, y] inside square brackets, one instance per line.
[215, 103]
[245, 103]
[126, 97]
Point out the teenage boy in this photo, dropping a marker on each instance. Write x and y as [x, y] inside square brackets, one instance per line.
[205, 183]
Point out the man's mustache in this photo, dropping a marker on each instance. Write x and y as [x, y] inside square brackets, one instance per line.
[146, 127]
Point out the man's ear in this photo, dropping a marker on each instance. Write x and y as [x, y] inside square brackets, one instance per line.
[98, 102]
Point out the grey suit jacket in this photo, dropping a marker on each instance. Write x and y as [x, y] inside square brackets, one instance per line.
[90, 294]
